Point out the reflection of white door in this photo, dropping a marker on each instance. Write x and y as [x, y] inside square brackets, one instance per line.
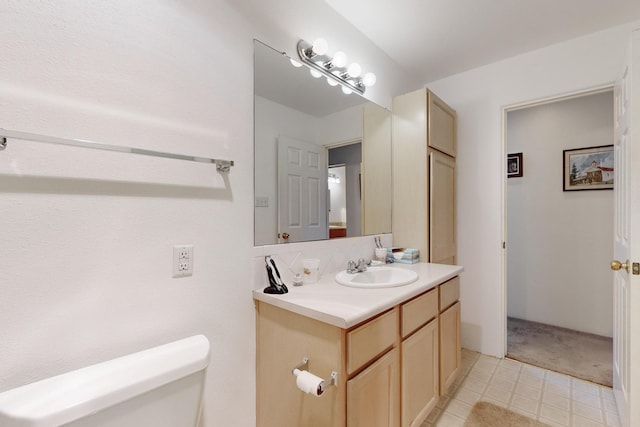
[626, 322]
[302, 191]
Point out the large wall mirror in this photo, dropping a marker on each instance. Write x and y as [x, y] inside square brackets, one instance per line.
[322, 158]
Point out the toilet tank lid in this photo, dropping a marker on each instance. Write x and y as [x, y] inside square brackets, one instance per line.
[64, 398]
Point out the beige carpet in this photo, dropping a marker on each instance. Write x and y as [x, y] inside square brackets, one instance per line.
[485, 414]
[581, 355]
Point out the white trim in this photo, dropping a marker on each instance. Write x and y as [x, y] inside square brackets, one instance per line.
[557, 98]
[339, 144]
[503, 200]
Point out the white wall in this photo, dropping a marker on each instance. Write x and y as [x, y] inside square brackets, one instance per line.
[479, 97]
[273, 120]
[282, 23]
[560, 243]
[87, 236]
[342, 126]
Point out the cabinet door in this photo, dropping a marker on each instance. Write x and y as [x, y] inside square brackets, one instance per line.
[442, 208]
[450, 351]
[373, 396]
[441, 127]
[283, 339]
[420, 385]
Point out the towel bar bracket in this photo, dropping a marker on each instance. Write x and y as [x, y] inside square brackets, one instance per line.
[223, 165]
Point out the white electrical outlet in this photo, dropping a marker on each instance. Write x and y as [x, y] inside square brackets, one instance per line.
[182, 260]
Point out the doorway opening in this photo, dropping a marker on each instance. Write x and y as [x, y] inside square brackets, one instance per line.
[558, 284]
[345, 196]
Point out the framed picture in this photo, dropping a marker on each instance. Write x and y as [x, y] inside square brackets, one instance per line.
[588, 168]
[514, 165]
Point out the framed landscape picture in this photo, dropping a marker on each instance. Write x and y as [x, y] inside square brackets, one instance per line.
[514, 165]
[588, 168]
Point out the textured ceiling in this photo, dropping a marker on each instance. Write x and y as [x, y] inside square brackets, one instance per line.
[432, 39]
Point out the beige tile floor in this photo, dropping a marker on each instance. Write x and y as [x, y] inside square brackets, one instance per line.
[550, 397]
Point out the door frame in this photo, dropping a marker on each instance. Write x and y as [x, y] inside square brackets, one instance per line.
[503, 202]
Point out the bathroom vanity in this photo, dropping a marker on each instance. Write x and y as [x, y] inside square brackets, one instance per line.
[395, 350]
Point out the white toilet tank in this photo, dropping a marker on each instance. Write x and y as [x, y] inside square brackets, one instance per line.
[159, 387]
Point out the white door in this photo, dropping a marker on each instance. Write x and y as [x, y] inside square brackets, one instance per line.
[302, 191]
[626, 322]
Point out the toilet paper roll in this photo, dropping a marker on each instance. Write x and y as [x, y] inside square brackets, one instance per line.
[309, 383]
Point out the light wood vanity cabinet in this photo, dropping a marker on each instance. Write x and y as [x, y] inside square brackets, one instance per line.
[449, 346]
[450, 350]
[390, 367]
[420, 358]
[373, 397]
[370, 339]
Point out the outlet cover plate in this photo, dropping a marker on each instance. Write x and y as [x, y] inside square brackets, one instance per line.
[262, 202]
[182, 260]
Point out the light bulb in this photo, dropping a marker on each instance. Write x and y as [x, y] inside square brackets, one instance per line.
[369, 79]
[320, 46]
[332, 82]
[346, 90]
[354, 69]
[315, 73]
[295, 63]
[339, 59]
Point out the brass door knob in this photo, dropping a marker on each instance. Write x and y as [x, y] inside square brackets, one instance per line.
[617, 265]
[285, 236]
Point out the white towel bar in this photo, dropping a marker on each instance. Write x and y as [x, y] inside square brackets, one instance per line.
[221, 165]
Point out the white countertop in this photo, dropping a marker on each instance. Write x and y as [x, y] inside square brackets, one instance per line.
[343, 306]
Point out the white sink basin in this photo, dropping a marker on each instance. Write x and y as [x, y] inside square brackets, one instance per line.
[377, 277]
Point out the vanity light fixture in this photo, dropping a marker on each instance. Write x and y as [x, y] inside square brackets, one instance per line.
[334, 68]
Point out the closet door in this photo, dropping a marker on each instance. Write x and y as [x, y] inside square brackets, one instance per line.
[442, 208]
[441, 128]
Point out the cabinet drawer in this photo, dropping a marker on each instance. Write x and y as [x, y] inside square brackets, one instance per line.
[419, 311]
[449, 293]
[367, 341]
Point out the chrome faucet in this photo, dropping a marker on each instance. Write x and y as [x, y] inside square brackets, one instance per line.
[353, 268]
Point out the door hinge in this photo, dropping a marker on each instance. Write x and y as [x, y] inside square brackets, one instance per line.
[504, 245]
[635, 268]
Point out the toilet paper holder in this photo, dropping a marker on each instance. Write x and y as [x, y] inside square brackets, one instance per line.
[304, 366]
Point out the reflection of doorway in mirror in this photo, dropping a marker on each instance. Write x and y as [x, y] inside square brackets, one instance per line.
[345, 216]
[337, 201]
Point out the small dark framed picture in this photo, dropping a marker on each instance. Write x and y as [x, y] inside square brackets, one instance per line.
[514, 165]
[589, 168]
